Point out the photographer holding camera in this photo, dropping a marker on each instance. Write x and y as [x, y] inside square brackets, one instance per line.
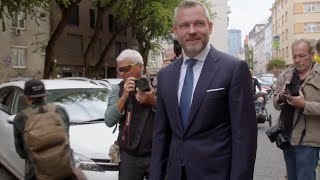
[131, 104]
[297, 96]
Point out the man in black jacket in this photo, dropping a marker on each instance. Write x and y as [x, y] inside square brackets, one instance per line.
[133, 109]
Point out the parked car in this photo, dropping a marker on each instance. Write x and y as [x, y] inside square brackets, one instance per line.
[85, 103]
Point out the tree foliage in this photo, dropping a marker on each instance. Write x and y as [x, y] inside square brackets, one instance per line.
[31, 7]
[276, 64]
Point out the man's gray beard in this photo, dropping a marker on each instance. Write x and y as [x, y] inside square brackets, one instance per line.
[194, 50]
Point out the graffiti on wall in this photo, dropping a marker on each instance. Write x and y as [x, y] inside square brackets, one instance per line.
[6, 61]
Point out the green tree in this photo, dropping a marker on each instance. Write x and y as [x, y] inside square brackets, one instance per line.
[157, 26]
[276, 64]
[31, 7]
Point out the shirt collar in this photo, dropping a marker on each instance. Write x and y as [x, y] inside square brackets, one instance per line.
[201, 56]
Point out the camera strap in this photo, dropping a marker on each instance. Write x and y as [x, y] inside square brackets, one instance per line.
[126, 128]
[303, 133]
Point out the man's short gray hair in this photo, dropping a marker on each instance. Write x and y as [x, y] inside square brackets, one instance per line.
[189, 4]
[306, 41]
[131, 55]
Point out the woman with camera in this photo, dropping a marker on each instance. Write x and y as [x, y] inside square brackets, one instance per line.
[297, 96]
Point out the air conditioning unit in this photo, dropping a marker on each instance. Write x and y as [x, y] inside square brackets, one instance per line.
[17, 32]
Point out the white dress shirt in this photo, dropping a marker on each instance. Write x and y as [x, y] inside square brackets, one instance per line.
[201, 57]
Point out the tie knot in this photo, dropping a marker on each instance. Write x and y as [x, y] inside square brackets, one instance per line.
[191, 62]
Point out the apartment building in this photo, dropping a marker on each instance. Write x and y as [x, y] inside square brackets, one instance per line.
[71, 46]
[21, 45]
[294, 19]
[234, 41]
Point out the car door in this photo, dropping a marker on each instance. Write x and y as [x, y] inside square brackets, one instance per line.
[18, 104]
[9, 99]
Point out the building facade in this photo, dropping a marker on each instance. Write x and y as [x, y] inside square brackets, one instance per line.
[294, 19]
[268, 40]
[69, 54]
[21, 45]
[234, 41]
[257, 43]
[219, 36]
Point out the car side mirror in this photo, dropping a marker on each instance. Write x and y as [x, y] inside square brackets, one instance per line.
[10, 119]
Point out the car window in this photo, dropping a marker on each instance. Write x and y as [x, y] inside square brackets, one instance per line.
[19, 102]
[6, 98]
[82, 105]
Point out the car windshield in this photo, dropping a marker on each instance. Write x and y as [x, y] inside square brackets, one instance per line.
[82, 105]
[268, 79]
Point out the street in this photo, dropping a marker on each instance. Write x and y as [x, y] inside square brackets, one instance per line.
[269, 162]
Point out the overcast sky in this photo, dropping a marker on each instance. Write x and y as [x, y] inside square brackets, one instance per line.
[246, 13]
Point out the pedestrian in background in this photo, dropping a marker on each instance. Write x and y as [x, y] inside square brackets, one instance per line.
[297, 96]
[205, 125]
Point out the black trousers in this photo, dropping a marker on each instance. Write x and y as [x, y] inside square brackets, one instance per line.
[133, 167]
[183, 174]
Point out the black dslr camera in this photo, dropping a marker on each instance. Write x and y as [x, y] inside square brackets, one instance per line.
[143, 84]
[276, 134]
[292, 89]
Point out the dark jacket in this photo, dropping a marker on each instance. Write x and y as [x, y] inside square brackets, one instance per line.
[19, 123]
[139, 139]
[141, 127]
[220, 140]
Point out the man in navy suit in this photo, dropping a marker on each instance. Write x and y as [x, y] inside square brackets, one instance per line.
[205, 127]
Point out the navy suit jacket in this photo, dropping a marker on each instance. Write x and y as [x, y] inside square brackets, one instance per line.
[220, 140]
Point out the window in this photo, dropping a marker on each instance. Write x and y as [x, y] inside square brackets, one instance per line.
[92, 18]
[19, 57]
[42, 15]
[311, 7]
[286, 17]
[18, 20]
[282, 36]
[312, 27]
[74, 45]
[287, 51]
[117, 48]
[74, 16]
[287, 32]
[111, 28]
[282, 20]
[120, 47]
[282, 52]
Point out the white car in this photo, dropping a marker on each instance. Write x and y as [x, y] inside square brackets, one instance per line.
[85, 103]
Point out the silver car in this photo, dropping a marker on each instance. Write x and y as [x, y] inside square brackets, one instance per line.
[85, 103]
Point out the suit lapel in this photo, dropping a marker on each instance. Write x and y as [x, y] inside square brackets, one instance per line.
[209, 69]
[174, 77]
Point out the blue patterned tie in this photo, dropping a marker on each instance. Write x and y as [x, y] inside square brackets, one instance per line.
[186, 93]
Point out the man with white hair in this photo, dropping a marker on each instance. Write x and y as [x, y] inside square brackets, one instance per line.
[132, 106]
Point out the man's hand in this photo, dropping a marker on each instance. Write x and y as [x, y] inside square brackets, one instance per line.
[129, 86]
[146, 97]
[296, 101]
[166, 61]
